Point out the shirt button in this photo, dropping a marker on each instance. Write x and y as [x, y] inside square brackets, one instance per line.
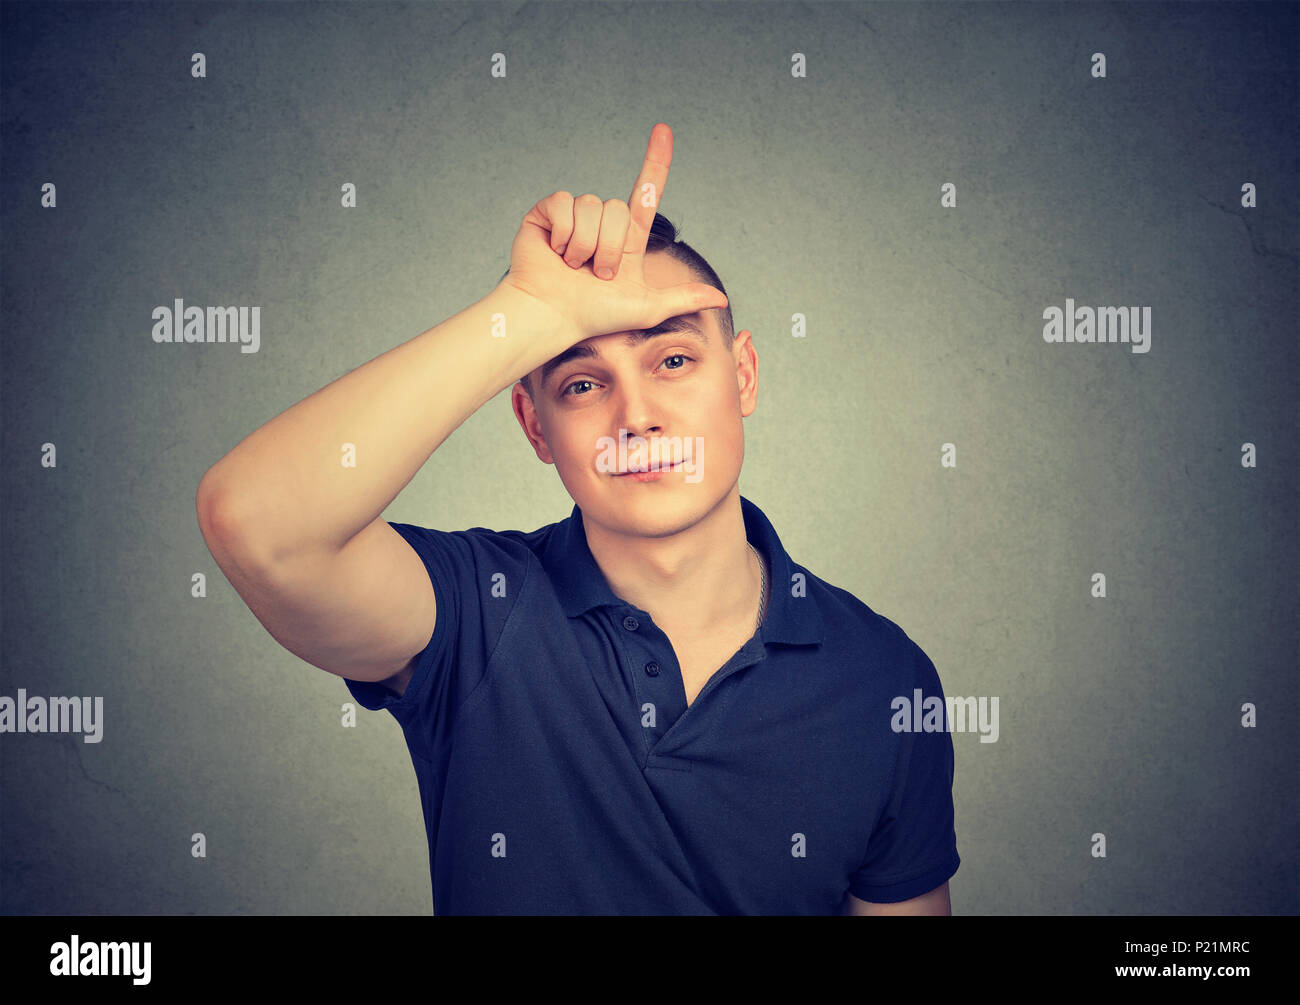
[631, 623]
[652, 669]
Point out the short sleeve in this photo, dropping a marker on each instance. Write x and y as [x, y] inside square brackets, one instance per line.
[477, 575]
[913, 848]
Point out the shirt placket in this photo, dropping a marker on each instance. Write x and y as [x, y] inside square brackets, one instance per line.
[656, 677]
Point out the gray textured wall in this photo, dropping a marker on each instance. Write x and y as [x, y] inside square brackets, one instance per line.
[821, 195]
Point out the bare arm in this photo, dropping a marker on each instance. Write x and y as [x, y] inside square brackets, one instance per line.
[934, 902]
[299, 535]
[287, 480]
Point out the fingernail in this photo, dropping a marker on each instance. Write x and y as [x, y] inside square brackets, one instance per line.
[605, 273]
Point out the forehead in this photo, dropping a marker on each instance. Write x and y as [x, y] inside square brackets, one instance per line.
[661, 269]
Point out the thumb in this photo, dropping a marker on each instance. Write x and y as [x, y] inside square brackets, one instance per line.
[685, 298]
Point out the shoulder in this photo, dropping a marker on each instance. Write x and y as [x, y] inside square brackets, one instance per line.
[870, 643]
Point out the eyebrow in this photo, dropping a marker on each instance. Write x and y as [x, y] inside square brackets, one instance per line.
[678, 324]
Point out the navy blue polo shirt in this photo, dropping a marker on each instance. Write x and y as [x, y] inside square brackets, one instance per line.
[561, 770]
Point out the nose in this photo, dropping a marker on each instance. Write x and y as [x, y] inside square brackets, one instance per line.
[636, 412]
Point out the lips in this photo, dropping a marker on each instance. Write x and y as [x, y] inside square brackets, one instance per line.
[642, 471]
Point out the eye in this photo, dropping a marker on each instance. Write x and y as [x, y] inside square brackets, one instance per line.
[566, 391]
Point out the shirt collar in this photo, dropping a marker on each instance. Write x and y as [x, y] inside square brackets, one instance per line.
[791, 616]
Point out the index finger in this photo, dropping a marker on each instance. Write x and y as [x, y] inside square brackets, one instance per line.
[649, 188]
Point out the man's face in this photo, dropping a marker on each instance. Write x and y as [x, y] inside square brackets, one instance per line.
[675, 399]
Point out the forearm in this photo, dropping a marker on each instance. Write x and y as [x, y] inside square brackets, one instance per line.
[289, 488]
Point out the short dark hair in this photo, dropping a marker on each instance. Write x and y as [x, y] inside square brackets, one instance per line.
[663, 237]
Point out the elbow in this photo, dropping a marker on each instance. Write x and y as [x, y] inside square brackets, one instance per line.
[210, 507]
[224, 526]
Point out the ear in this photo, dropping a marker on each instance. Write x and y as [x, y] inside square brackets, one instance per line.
[745, 357]
[529, 421]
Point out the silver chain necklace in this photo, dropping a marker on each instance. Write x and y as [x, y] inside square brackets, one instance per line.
[762, 593]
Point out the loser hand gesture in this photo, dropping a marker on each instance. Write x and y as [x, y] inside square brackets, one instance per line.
[584, 258]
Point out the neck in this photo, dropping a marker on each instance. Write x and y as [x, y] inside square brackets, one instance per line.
[701, 580]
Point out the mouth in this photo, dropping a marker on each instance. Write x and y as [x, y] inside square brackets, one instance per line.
[644, 474]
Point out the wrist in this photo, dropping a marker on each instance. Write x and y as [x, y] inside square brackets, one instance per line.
[529, 317]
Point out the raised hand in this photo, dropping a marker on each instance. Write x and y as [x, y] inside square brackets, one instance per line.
[584, 258]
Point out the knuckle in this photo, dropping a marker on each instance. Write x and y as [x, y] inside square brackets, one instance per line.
[588, 200]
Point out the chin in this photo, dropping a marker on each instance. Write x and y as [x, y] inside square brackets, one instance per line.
[659, 512]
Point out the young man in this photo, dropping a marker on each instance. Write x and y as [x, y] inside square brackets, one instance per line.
[647, 707]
